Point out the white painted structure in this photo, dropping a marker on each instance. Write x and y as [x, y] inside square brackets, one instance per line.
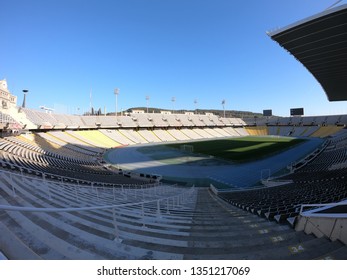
[7, 100]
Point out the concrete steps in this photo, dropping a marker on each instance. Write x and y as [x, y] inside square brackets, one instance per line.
[204, 227]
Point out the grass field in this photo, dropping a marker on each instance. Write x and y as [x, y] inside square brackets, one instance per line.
[242, 149]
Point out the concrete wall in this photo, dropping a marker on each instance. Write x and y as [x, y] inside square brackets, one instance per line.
[333, 228]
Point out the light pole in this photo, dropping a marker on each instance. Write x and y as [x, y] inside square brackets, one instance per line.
[173, 99]
[116, 92]
[25, 92]
[147, 100]
[223, 104]
[196, 107]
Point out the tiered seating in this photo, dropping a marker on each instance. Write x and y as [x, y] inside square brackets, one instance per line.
[108, 121]
[20, 117]
[296, 120]
[33, 117]
[143, 120]
[72, 121]
[58, 169]
[310, 130]
[333, 156]
[97, 138]
[231, 131]
[39, 145]
[343, 120]
[163, 222]
[273, 130]
[297, 131]
[33, 159]
[197, 120]
[186, 120]
[101, 121]
[216, 120]
[325, 131]
[308, 121]
[237, 122]
[203, 133]
[241, 131]
[191, 133]
[81, 234]
[207, 120]
[178, 134]
[301, 131]
[213, 132]
[126, 121]
[313, 183]
[289, 130]
[60, 121]
[273, 121]
[159, 120]
[321, 120]
[91, 121]
[286, 130]
[283, 202]
[47, 139]
[221, 131]
[226, 121]
[255, 121]
[173, 120]
[333, 120]
[68, 137]
[149, 136]
[339, 139]
[117, 136]
[164, 135]
[257, 130]
[133, 136]
[43, 119]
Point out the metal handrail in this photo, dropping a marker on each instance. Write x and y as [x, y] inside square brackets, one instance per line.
[319, 206]
[176, 199]
[76, 209]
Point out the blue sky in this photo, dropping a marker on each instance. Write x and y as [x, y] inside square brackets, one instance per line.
[207, 50]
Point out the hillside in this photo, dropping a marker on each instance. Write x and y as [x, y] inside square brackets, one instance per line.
[228, 113]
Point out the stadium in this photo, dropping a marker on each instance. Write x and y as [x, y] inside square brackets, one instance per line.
[182, 186]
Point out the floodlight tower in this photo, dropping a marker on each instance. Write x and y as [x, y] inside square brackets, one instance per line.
[173, 100]
[196, 105]
[25, 92]
[116, 92]
[147, 100]
[90, 101]
[223, 104]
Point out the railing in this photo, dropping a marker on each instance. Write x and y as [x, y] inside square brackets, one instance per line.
[136, 191]
[321, 207]
[214, 189]
[332, 225]
[162, 205]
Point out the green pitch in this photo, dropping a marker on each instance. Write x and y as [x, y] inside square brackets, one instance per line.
[244, 148]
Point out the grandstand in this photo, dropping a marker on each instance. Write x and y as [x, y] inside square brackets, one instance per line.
[55, 183]
[61, 199]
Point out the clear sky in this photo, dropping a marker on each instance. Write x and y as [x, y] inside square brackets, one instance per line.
[208, 50]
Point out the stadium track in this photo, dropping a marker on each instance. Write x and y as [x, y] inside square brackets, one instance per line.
[200, 170]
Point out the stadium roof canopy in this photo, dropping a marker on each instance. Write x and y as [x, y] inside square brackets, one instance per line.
[320, 44]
